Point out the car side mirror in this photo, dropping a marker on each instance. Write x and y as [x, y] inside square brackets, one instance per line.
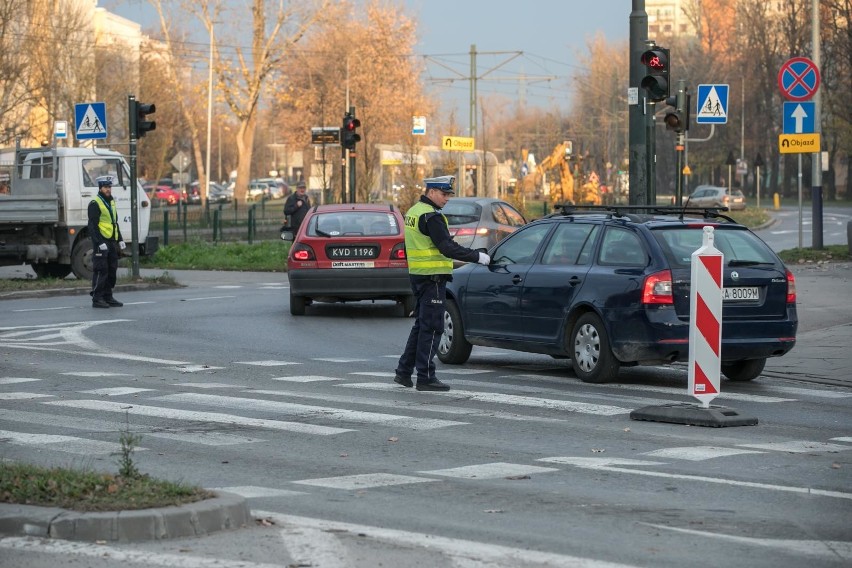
[288, 234]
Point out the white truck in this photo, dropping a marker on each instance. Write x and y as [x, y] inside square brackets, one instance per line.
[44, 199]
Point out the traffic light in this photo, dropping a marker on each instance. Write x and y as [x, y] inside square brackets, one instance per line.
[139, 124]
[348, 133]
[656, 80]
[677, 117]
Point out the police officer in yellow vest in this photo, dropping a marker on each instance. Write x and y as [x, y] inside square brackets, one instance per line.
[430, 251]
[106, 242]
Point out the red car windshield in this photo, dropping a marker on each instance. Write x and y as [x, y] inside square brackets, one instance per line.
[353, 223]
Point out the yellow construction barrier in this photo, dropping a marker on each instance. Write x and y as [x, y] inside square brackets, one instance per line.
[776, 200]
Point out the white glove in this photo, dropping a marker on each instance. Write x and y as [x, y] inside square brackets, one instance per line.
[121, 245]
[484, 259]
[102, 247]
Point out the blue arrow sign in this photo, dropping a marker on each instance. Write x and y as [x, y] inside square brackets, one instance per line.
[712, 104]
[90, 121]
[799, 118]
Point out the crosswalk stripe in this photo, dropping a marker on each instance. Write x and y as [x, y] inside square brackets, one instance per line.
[529, 389]
[177, 414]
[798, 447]
[516, 400]
[115, 391]
[72, 422]
[338, 360]
[364, 481]
[16, 380]
[205, 438]
[489, 470]
[253, 491]
[306, 379]
[697, 453]
[67, 444]
[267, 363]
[413, 405]
[23, 395]
[321, 412]
[96, 374]
[194, 368]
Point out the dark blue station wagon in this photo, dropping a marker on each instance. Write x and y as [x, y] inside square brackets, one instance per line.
[607, 289]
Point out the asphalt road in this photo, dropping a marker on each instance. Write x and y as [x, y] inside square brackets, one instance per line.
[520, 465]
[784, 234]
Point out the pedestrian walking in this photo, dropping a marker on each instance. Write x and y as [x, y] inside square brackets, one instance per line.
[430, 251]
[297, 206]
[106, 243]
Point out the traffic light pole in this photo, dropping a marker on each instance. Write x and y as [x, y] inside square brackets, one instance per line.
[134, 197]
[352, 165]
[639, 145]
[680, 145]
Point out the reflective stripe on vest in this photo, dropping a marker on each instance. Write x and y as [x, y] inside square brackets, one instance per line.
[424, 258]
[108, 222]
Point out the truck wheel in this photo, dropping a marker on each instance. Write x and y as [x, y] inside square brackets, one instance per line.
[81, 259]
[743, 370]
[51, 269]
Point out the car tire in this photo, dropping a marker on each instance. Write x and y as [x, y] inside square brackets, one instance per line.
[81, 259]
[297, 305]
[51, 269]
[408, 305]
[591, 355]
[453, 348]
[746, 370]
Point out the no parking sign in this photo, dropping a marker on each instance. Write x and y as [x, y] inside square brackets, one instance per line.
[798, 79]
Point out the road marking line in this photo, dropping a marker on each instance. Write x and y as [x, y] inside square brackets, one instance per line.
[176, 414]
[826, 548]
[193, 368]
[338, 360]
[122, 556]
[819, 393]
[46, 309]
[96, 374]
[207, 298]
[266, 363]
[115, 391]
[15, 380]
[797, 447]
[306, 379]
[67, 444]
[71, 422]
[698, 478]
[697, 453]
[516, 400]
[205, 438]
[842, 439]
[254, 491]
[597, 462]
[22, 395]
[364, 481]
[486, 554]
[210, 385]
[489, 470]
[309, 411]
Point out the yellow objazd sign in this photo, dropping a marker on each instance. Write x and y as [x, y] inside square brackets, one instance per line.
[457, 143]
[798, 143]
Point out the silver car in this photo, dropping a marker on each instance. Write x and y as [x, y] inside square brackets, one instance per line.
[713, 196]
[481, 222]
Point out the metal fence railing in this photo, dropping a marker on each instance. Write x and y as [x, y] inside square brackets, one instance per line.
[217, 222]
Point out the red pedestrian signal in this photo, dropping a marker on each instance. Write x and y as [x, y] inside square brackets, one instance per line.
[656, 80]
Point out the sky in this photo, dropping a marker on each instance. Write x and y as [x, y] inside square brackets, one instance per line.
[551, 34]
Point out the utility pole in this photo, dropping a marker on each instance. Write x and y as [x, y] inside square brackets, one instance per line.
[638, 134]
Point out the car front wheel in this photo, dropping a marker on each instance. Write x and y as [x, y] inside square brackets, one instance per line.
[592, 357]
[743, 370]
[453, 348]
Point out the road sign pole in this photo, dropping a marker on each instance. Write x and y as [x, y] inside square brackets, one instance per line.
[800, 200]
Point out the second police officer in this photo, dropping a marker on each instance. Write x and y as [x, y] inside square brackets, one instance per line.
[430, 250]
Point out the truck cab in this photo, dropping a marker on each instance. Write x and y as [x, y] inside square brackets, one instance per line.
[44, 217]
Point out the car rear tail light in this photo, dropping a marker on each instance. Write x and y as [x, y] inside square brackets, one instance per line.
[791, 288]
[398, 252]
[469, 231]
[302, 252]
[657, 288]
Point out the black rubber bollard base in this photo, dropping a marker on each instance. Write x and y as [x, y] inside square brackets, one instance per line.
[693, 415]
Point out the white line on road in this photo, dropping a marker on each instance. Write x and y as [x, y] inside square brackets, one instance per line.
[499, 398]
[486, 554]
[68, 444]
[207, 298]
[46, 309]
[825, 548]
[15, 380]
[22, 395]
[364, 481]
[494, 470]
[697, 453]
[176, 414]
[63, 548]
[309, 411]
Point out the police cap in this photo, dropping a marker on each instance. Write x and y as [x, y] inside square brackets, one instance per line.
[444, 183]
[105, 181]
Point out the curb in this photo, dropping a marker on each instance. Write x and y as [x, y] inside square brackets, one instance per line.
[223, 512]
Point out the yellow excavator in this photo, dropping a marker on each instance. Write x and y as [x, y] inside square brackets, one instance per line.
[564, 190]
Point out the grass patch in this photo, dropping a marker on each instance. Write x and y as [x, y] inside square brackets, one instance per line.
[831, 253]
[266, 256]
[751, 217]
[85, 490]
[29, 284]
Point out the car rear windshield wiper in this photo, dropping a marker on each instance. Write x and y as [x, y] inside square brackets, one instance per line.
[322, 233]
[750, 263]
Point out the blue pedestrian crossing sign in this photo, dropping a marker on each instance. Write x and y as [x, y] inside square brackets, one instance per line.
[712, 104]
[90, 121]
[799, 118]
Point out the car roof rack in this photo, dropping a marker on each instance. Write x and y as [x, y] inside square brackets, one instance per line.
[632, 211]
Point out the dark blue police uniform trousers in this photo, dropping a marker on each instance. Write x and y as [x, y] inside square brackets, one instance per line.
[105, 266]
[422, 344]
